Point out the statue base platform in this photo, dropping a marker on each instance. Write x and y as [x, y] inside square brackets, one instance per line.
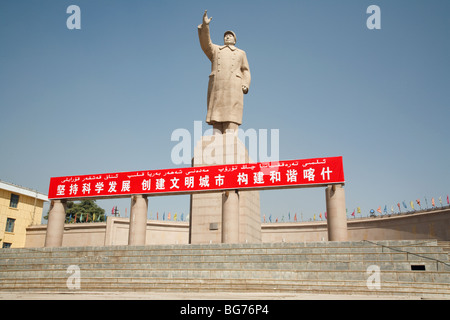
[221, 217]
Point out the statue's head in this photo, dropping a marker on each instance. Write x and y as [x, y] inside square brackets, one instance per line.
[229, 38]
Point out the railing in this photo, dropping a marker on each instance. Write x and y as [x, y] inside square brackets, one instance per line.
[402, 213]
[411, 253]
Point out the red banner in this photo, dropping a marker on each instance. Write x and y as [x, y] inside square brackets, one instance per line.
[261, 175]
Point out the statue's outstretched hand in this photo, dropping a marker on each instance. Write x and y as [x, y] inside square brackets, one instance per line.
[206, 20]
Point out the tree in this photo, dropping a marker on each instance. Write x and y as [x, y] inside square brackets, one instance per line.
[83, 211]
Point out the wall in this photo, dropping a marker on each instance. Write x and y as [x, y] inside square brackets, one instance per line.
[158, 232]
[426, 225]
[112, 232]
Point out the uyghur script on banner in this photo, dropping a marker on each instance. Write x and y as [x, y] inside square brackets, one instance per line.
[261, 175]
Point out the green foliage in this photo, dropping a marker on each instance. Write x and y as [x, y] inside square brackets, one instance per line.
[83, 211]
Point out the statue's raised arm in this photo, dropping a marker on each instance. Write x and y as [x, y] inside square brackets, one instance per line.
[204, 36]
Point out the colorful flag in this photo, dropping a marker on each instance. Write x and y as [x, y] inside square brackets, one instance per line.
[379, 209]
[358, 210]
[385, 209]
[314, 217]
[404, 204]
[418, 202]
[398, 205]
[295, 218]
[411, 204]
[175, 217]
[448, 201]
[320, 216]
[432, 202]
[326, 215]
[353, 213]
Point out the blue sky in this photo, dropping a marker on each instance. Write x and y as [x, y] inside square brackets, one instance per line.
[107, 97]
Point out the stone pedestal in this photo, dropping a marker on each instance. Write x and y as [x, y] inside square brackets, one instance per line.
[55, 226]
[208, 209]
[337, 218]
[138, 220]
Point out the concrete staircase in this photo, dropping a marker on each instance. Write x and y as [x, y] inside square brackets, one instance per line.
[445, 245]
[407, 268]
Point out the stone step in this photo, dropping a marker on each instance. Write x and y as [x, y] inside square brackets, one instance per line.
[136, 264]
[182, 284]
[248, 251]
[212, 280]
[293, 275]
[312, 267]
[230, 258]
[236, 257]
[319, 247]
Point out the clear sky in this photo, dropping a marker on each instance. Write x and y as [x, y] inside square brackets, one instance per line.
[107, 97]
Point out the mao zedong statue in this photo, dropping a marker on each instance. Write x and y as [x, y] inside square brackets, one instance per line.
[229, 79]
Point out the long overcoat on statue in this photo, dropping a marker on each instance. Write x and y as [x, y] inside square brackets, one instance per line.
[229, 72]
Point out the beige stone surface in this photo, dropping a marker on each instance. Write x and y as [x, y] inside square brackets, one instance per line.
[55, 228]
[138, 220]
[417, 226]
[337, 218]
[229, 79]
[207, 208]
[189, 296]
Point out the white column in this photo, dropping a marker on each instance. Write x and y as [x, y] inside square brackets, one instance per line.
[138, 220]
[55, 225]
[336, 213]
[230, 217]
